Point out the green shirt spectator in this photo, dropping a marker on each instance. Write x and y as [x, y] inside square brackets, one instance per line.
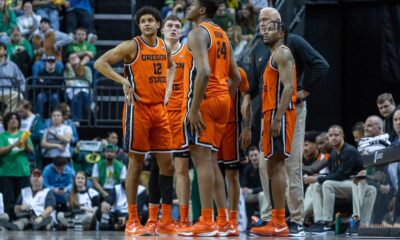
[8, 20]
[223, 18]
[85, 51]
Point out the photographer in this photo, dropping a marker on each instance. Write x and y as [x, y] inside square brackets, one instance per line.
[114, 209]
[82, 204]
[35, 205]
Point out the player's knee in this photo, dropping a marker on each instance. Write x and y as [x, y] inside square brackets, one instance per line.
[232, 175]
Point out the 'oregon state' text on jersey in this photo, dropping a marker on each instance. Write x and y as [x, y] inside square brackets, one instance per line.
[183, 60]
[219, 53]
[147, 73]
[235, 102]
[272, 91]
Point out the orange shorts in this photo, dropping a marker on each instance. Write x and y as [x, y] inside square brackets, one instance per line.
[215, 114]
[283, 142]
[229, 149]
[176, 126]
[146, 128]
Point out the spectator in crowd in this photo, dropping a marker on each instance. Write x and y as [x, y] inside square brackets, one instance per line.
[83, 203]
[56, 139]
[386, 106]
[247, 20]
[260, 4]
[324, 147]
[344, 162]
[66, 114]
[48, 83]
[238, 43]
[358, 132]
[49, 41]
[12, 81]
[112, 138]
[59, 176]
[114, 208]
[29, 21]
[223, 18]
[8, 20]
[251, 186]
[14, 165]
[85, 50]
[396, 142]
[78, 90]
[16, 6]
[374, 138]
[108, 172]
[48, 9]
[79, 14]
[84, 159]
[20, 51]
[34, 124]
[35, 205]
[313, 160]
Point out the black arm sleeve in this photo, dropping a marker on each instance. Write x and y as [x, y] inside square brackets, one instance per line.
[50, 200]
[252, 73]
[313, 60]
[95, 201]
[345, 169]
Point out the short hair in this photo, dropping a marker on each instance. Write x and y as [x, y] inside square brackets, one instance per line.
[311, 136]
[253, 148]
[60, 161]
[147, 10]
[3, 45]
[281, 26]
[385, 97]
[7, 119]
[171, 18]
[62, 107]
[377, 120]
[81, 29]
[211, 6]
[358, 126]
[26, 105]
[338, 127]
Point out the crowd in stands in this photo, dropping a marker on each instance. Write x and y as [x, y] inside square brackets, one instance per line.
[46, 50]
[54, 179]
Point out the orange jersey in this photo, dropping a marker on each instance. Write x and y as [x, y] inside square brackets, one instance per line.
[273, 87]
[147, 73]
[218, 56]
[183, 60]
[235, 101]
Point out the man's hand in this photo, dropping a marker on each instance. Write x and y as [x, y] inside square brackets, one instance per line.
[105, 207]
[245, 138]
[24, 208]
[310, 180]
[121, 221]
[196, 122]
[385, 189]
[59, 191]
[275, 129]
[302, 94]
[362, 173]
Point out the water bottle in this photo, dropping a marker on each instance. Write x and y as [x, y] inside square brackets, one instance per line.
[337, 223]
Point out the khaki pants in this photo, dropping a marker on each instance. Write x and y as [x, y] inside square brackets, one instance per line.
[364, 196]
[308, 199]
[323, 198]
[294, 191]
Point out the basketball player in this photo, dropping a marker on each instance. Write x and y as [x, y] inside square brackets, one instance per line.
[208, 113]
[279, 118]
[229, 151]
[149, 72]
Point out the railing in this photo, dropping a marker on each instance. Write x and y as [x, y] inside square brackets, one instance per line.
[10, 95]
